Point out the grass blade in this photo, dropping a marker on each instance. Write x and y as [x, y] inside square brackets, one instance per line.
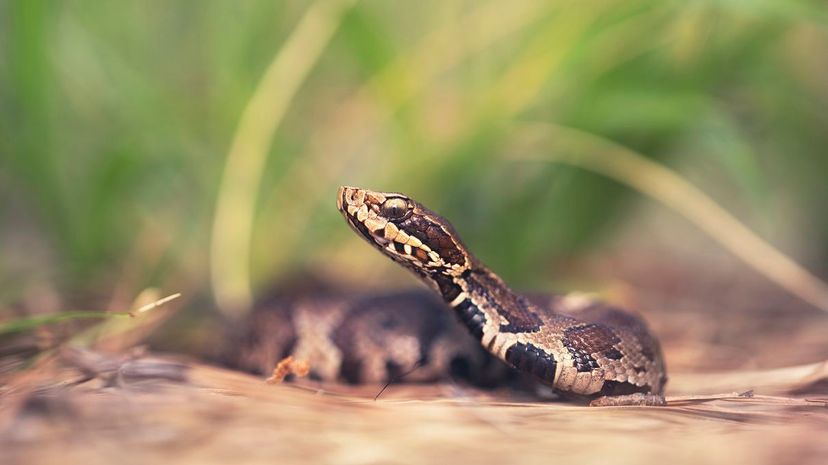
[233, 223]
[588, 151]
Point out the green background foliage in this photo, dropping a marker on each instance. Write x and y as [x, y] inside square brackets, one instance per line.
[116, 119]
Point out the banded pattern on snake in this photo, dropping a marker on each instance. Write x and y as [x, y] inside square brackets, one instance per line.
[584, 349]
[572, 344]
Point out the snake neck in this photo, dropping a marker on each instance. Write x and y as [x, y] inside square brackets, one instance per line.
[485, 304]
[497, 316]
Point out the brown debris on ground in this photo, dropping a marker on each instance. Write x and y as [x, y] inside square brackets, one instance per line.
[288, 366]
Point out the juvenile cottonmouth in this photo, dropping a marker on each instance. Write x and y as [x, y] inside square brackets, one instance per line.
[574, 344]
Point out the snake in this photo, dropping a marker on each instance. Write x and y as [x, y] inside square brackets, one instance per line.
[580, 347]
[361, 338]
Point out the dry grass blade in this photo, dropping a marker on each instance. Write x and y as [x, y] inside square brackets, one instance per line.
[566, 145]
[30, 323]
[230, 248]
[120, 334]
[154, 304]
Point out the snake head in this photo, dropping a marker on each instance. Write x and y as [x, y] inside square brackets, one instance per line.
[404, 230]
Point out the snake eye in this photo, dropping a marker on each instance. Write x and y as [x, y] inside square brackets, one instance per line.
[394, 208]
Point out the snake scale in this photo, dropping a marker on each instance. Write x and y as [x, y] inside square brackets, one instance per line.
[583, 348]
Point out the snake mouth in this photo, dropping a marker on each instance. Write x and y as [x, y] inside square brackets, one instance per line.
[348, 201]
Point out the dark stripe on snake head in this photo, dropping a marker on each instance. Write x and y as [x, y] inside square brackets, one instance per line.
[432, 234]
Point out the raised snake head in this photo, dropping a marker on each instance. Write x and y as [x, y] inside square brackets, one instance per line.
[405, 230]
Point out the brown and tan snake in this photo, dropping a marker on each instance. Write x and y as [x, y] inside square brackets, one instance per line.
[578, 346]
[571, 343]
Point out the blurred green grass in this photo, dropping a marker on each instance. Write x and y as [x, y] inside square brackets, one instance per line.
[116, 120]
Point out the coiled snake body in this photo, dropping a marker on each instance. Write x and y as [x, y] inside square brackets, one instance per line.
[574, 344]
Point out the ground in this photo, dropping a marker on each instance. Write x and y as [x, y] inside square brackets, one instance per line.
[164, 411]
